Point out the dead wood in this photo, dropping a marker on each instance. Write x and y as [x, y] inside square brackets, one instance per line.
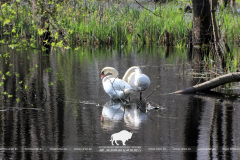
[206, 86]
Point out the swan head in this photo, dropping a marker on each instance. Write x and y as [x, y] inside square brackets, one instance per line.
[110, 70]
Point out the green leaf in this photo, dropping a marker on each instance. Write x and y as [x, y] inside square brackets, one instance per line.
[18, 100]
[7, 21]
[8, 73]
[48, 69]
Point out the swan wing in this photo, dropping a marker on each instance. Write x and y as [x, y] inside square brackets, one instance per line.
[117, 84]
[116, 88]
[131, 80]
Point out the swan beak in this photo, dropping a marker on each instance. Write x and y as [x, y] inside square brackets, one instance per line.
[102, 75]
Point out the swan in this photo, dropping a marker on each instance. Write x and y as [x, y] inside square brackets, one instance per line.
[136, 79]
[113, 86]
[117, 112]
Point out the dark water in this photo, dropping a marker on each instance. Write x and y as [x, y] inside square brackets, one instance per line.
[61, 101]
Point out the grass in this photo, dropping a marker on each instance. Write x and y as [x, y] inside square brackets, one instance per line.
[229, 24]
[94, 23]
[72, 24]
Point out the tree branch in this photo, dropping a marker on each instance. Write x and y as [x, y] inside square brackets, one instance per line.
[147, 9]
[206, 86]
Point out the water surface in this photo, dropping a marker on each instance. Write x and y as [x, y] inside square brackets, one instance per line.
[62, 100]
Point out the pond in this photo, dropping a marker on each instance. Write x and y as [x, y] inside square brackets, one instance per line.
[55, 108]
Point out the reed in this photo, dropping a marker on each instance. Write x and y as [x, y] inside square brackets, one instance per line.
[74, 23]
[228, 21]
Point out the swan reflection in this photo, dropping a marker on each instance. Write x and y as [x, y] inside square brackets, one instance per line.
[114, 113]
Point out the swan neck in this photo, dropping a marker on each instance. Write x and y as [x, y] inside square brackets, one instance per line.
[128, 73]
[108, 77]
[114, 73]
[138, 71]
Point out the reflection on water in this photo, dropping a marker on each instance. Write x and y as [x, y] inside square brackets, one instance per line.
[131, 113]
[57, 101]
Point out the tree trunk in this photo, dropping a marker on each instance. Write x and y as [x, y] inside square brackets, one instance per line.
[226, 2]
[215, 33]
[202, 28]
[206, 86]
[46, 37]
[232, 3]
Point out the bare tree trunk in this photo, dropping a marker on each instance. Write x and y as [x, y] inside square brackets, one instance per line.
[46, 37]
[232, 4]
[218, 49]
[167, 38]
[202, 28]
[226, 2]
[205, 27]
[206, 86]
[4, 1]
[215, 33]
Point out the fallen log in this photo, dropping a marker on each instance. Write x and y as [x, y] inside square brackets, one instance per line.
[206, 86]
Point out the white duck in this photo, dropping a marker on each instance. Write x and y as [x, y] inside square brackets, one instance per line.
[113, 86]
[136, 79]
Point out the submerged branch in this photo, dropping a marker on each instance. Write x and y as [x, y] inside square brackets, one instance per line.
[148, 95]
[206, 86]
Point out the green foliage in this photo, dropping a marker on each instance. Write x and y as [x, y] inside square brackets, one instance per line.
[229, 24]
[76, 22]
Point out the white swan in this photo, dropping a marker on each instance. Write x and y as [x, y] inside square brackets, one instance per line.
[136, 79]
[117, 112]
[113, 86]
